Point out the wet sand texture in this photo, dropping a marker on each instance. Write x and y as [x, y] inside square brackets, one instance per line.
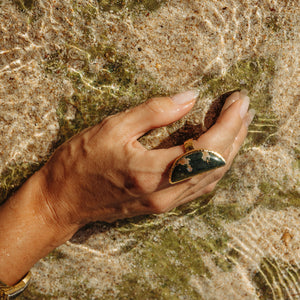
[65, 65]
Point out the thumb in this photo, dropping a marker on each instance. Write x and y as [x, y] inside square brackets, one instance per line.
[157, 112]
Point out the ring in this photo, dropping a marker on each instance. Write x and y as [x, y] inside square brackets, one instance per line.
[194, 162]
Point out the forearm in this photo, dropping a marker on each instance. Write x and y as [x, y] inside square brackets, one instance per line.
[27, 231]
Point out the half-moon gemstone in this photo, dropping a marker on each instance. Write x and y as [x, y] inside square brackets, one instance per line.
[193, 163]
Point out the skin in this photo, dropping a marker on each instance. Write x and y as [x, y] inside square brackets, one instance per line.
[105, 174]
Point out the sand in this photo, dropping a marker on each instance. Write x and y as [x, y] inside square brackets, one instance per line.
[240, 242]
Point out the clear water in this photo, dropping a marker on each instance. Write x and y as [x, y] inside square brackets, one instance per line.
[65, 66]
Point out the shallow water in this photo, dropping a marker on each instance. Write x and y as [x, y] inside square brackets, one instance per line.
[65, 66]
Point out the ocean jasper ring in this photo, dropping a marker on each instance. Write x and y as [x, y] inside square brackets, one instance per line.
[194, 162]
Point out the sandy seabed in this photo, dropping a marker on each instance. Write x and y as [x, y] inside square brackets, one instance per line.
[176, 46]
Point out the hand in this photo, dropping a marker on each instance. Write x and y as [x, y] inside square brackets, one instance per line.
[105, 174]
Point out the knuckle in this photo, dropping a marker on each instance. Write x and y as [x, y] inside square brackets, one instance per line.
[139, 184]
[217, 174]
[142, 179]
[154, 105]
[194, 181]
[209, 188]
[157, 206]
[109, 123]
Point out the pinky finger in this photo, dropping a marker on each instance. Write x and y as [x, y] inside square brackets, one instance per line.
[206, 190]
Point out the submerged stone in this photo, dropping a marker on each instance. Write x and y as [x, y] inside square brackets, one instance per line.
[195, 162]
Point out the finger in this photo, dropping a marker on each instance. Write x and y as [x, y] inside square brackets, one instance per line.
[173, 196]
[204, 182]
[222, 134]
[153, 166]
[239, 140]
[219, 138]
[160, 160]
[167, 196]
[229, 154]
[196, 194]
[156, 163]
[165, 199]
[155, 113]
[233, 98]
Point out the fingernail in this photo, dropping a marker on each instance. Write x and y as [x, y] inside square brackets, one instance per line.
[230, 100]
[185, 97]
[245, 104]
[244, 92]
[250, 117]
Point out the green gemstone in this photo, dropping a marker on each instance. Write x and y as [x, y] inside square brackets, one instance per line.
[193, 163]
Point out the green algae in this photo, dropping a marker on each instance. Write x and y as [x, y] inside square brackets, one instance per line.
[149, 5]
[274, 196]
[53, 63]
[255, 75]
[228, 212]
[276, 279]
[86, 11]
[223, 256]
[170, 257]
[70, 272]
[13, 176]
[117, 5]
[244, 74]
[33, 293]
[296, 164]
[214, 214]
[114, 86]
[56, 255]
[24, 5]
[81, 291]
[273, 23]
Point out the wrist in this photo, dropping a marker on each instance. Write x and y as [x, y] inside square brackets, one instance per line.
[28, 230]
[53, 211]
